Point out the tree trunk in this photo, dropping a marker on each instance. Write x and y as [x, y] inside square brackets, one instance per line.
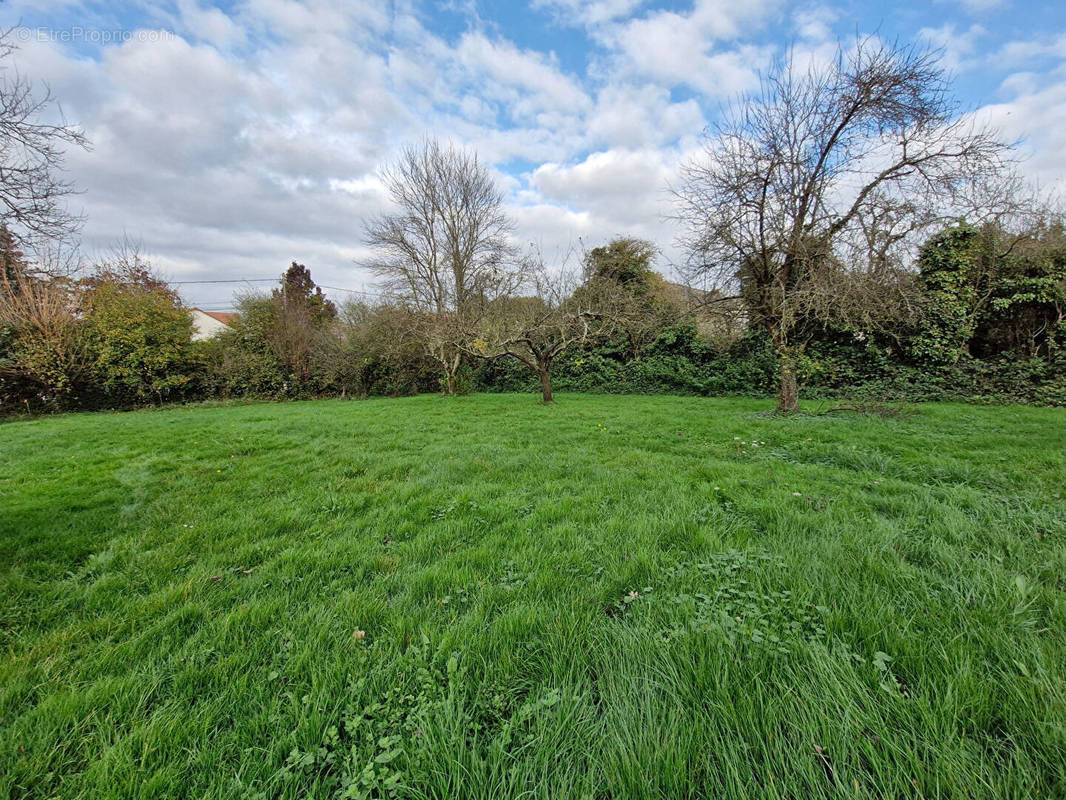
[545, 383]
[788, 388]
[451, 373]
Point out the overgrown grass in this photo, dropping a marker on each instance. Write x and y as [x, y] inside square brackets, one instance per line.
[613, 597]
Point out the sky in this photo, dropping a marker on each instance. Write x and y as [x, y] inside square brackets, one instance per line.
[231, 139]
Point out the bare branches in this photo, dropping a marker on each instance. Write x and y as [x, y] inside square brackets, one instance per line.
[32, 189]
[446, 252]
[535, 330]
[808, 196]
[448, 246]
[820, 152]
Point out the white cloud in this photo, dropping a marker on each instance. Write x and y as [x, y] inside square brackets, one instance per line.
[636, 116]
[977, 6]
[959, 47]
[1020, 51]
[681, 48]
[616, 192]
[528, 80]
[814, 24]
[621, 185]
[306, 20]
[254, 136]
[1035, 116]
[210, 25]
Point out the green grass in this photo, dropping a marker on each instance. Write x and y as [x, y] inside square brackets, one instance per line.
[824, 606]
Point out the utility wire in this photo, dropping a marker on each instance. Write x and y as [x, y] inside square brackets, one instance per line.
[236, 280]
[353, 291]
[272, 280]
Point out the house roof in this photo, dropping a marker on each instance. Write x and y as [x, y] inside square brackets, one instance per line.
[225, 317]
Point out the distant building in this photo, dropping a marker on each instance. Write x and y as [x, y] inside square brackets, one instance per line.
[207, 324]
[717, 318]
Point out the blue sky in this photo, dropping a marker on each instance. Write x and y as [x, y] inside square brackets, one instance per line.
[230, 139]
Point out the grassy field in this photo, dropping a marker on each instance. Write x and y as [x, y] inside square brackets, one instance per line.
[484, 597]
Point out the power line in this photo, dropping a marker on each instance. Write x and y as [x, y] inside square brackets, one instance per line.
[353, 291]
[236, 280]
[273, 280]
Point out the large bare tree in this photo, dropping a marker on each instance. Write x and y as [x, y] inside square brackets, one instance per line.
[807, 197]
[447, 250]
[33, 190]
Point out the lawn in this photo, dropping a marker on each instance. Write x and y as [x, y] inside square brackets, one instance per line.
[485, 597]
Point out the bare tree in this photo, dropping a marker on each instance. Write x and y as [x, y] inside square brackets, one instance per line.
[810, 194]
[537, 329]
[32, 189]
[40, 309]
[447, 251]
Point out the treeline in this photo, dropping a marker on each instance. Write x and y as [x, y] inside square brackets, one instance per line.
[991, 327]
[936, 275]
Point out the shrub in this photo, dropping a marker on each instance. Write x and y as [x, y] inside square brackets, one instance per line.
[43, 355]
[138, 338]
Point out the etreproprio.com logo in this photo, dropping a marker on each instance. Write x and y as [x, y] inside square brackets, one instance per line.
[78, 34]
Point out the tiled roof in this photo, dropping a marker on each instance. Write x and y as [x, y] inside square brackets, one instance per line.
[225, 317]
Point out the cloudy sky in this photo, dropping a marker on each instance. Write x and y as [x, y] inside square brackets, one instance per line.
[231, 139]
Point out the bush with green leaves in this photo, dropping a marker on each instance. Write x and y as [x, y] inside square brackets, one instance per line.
[138, 337]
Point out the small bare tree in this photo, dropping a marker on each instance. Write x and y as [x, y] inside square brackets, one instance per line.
[537, 329]
[809, 196]
[32, 189]
[447, 250]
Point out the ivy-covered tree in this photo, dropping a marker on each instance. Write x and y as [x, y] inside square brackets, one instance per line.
[952, 287]
[624, 261]
[989, 291]
[1025, 315]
